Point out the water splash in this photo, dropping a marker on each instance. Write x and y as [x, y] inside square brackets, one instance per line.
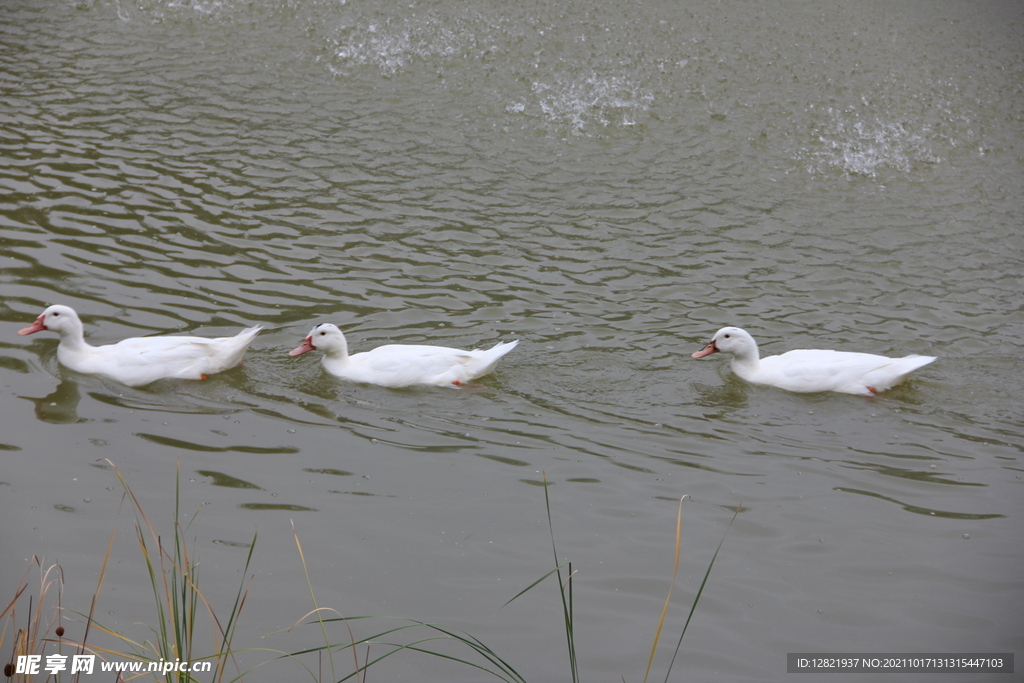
[867, 147]
[392, 44]
[391, 48]
[162, 10]
[582, 102]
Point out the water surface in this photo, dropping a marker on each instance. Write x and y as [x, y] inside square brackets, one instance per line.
[609, 185]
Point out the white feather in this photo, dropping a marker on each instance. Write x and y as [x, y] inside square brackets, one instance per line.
[809, 370]
[141, 360]
[400, 365]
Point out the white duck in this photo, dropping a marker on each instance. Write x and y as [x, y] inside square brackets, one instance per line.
[400, 365]
[141, 360]
[810, 370]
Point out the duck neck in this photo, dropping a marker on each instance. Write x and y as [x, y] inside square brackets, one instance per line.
[73, 338]
[336, 354]
[746, 362]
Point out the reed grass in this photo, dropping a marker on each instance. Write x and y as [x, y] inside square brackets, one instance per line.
[173, 577]
[172, 570]
[41, 620]
[565, 591]
[486, 660]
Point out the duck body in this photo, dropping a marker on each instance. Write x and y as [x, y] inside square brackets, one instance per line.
[400, 365]
[812, 370]
[141, 360]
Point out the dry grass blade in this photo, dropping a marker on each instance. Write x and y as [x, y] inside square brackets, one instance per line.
[32, 638]
[668, 598]
[316, 609]
[700, 592]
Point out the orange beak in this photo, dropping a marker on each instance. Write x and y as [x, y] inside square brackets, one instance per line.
[37, 326]
[706, 351]
[307, 345]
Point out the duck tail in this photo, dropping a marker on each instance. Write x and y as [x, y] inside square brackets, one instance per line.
[501, 348]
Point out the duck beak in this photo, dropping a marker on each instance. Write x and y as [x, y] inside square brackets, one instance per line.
[706, 351]
[307, 345]
[38, 326]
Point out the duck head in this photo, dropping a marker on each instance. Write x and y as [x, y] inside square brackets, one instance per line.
[57, 318]
[323, 337]
[732, 340]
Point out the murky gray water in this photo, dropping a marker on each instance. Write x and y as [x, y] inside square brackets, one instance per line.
[609, 184]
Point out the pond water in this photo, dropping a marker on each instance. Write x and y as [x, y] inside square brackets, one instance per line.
[608, 184]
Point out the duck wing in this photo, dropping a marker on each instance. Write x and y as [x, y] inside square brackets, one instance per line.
[812, 370]
[402, 365]
[142, 360]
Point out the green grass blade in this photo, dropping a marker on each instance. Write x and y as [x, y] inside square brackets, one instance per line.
[700, 591]
[535, 583]
[563, 588]
[502, 670]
